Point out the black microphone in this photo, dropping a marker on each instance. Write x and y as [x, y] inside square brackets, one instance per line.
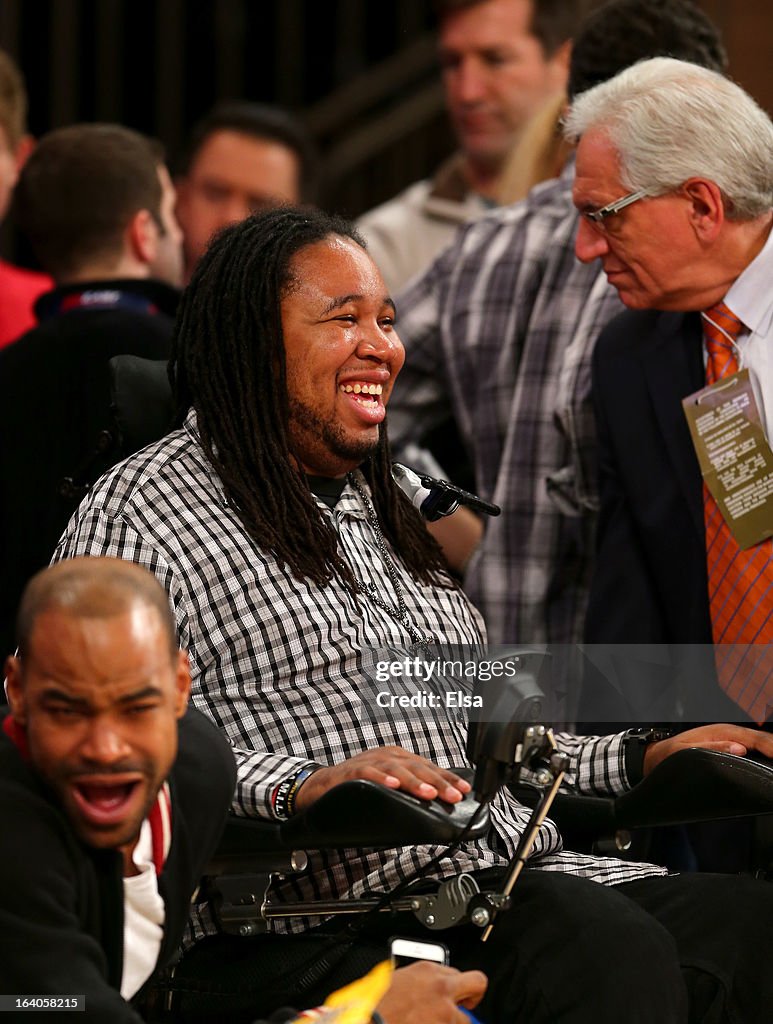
[437, 498]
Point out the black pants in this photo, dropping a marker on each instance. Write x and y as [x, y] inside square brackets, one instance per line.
[664, 950]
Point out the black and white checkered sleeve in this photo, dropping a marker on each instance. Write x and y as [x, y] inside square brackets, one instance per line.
[597, 763]
[96, 533]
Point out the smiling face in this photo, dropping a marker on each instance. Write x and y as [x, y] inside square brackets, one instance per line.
[99, 699]
[651, 251]
[496, 75]
[342, 355]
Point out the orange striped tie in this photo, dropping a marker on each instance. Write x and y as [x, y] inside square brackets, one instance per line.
[740, 581]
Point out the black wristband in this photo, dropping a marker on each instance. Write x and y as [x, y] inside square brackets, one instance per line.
[636, 743]
[298, 781]
[282, 801]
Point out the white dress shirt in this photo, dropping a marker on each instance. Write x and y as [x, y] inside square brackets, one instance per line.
[751, 299]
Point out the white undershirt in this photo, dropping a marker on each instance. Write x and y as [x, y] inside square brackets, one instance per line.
[751, 299]
[143, 921]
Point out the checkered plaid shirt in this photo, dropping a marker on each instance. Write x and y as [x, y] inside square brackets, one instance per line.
[498, 334]
[278, 663]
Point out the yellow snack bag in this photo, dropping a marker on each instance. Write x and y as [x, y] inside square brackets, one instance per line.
[355, 1003]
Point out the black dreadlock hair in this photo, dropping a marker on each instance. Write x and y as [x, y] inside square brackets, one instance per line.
[228, 363]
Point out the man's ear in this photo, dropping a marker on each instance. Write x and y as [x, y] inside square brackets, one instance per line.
[558, 63]
[707, 207]
[23, 149]
[182, 683]
[142, 236]
[14, 690]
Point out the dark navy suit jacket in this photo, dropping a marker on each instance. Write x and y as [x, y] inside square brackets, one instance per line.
[650, 583]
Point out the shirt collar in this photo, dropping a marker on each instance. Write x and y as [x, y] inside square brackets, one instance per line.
[140, 295]
[327, 489]
[349, 502]
[749, 295]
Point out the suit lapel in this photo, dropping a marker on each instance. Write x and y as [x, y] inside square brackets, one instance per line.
[673, 366]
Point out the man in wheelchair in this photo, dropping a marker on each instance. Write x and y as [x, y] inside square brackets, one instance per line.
[271, 517]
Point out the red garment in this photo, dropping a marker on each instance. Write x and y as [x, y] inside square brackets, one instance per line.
[16, 735]
[19, 290]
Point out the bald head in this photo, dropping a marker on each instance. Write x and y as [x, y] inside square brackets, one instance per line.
[92, 588]
[98, 692]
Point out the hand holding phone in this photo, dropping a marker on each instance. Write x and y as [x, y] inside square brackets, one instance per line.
[408, 951]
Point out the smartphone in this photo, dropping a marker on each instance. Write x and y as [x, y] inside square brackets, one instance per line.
[406, 951]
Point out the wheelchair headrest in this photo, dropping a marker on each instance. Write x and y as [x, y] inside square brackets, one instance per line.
[142, 402]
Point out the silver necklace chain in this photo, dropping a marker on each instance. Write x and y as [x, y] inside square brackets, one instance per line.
[399, 612]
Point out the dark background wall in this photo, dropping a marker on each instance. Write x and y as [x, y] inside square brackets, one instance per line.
[361, 73]
[747, 26]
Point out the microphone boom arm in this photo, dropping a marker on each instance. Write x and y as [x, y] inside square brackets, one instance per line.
[436, 498]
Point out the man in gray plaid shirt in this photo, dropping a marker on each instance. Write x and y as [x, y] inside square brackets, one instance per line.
[271, 518]
[499, 334]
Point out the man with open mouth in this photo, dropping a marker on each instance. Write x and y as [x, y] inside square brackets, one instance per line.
[113, 795]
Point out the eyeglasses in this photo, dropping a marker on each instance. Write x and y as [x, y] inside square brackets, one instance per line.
[599, 216]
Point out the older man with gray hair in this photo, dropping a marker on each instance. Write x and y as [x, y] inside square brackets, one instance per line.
[674, 185]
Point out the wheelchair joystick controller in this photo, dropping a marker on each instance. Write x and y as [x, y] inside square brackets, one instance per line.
[513, 739]
[509, 740]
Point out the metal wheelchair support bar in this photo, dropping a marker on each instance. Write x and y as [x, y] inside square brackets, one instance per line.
[239, 901]
[557, 765]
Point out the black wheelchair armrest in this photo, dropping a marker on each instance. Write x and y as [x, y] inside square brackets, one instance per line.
[356, 813]
[582, 819]
[365, 814]
[698, 785]
[249, 844]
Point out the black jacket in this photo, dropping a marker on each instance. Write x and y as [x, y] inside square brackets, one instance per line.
[56, 401]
